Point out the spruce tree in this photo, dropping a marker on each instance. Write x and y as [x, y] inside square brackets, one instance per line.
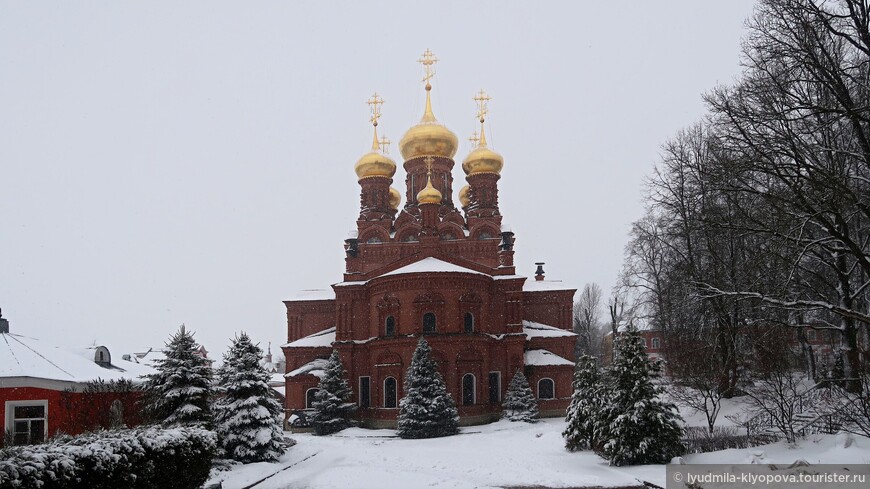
[180, 390]
[331, 407]
[634, 426]
[585, 405]
[427, 410]
[519, 401]
[246, 416]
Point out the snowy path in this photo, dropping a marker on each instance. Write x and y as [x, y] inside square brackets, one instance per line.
[499, 455]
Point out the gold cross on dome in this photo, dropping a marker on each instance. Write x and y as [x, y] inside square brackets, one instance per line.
[481, 98]
[429, 160]
[475, 138]
[375, 102]
[384, 143]
[428, 60]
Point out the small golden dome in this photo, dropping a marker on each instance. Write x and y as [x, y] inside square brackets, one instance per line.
[429, 137]
[375, 163]
[482, 159]
[395, 198]
[463, 196]
[429, 194]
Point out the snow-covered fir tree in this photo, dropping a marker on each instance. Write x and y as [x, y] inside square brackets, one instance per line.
[427, 410]
[585, 404]
[180, 390]
[246, 416]
[519, 401]
[635, 426]
[331, 407]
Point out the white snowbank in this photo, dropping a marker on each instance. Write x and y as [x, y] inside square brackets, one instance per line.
[497, 455]
[533, 285]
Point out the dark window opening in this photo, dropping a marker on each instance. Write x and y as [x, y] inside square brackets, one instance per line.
[364, 392]
[467, 390]
[429, 322]
[310, 398]
[546, 389]
[389, 392]
[494, 387]
[469, 322]
[390, 326]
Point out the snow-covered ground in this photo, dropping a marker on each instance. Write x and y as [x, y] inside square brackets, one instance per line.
[501, 454]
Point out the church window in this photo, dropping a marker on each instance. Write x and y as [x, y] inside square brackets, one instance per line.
[656, 343]
[390, 326]
[364, 392]
[374, 240]
[484, 235]
[546, 389]
[469, 322]
[390, 392]
[410, 238]
[27, 421]
[429, 322]
[467, 390]
[309, 397]
[494, 387]
[447, 236]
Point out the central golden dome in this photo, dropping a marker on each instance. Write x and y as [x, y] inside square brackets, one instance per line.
[429, 137]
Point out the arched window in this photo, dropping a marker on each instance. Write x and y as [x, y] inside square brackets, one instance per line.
[469, 322]
[429, 322]
[467, 390]
[484, 235]
[389, 392]
[546, 389]
[309, 397]
[390, 326]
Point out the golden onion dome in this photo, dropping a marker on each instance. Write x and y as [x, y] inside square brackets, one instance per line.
[375, 163]
[395, 198]
[429, 194]
[463, 196]
[482, 159]
[429, 137]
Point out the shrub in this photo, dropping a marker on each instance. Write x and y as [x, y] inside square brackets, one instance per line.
[141, 458]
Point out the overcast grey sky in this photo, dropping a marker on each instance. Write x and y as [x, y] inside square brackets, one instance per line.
[169, 162]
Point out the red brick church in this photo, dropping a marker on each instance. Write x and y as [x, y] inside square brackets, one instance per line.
[430, 268]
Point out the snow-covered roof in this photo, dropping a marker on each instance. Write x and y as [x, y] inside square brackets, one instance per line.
[536, 330]
[533, 285]
[314, 367]
[21, 356]
[313, 295]
[544, 357]
[431, 264]
[321, 338]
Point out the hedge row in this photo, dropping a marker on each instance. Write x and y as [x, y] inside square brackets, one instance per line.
[139, 458]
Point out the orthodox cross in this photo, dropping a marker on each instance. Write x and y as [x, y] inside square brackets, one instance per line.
[375, 103]
[475, 139]
[429, 160]
[428, 60]
[481, 98]
[383, 143]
